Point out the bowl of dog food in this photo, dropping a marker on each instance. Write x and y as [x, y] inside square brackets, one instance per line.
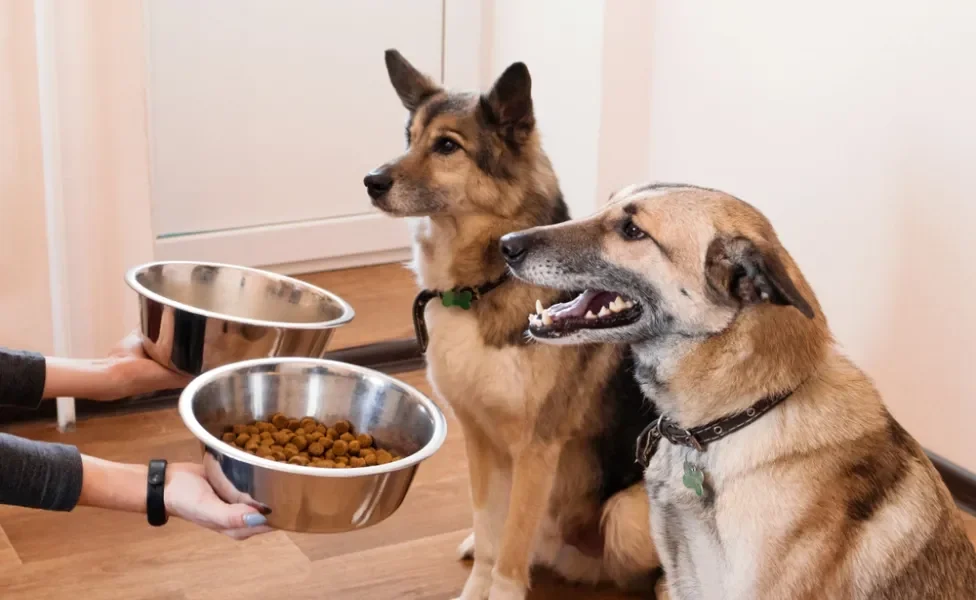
[319, 446]
[197, 316]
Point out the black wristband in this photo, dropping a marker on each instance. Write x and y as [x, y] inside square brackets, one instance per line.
[155, 503]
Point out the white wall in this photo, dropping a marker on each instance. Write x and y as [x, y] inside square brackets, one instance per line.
[851, 125]
[562, 44]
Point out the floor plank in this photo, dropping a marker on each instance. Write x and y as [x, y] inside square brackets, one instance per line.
[382, 296]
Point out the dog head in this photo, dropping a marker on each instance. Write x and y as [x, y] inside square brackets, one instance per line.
[466, 153]
[659, 260]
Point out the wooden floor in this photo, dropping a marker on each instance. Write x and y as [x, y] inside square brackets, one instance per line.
[382, 297]
[93, 554]
[96, 554]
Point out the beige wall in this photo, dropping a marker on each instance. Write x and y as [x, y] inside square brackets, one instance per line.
[73, 161]
[851, 124]
[98, 105]
[25, 305]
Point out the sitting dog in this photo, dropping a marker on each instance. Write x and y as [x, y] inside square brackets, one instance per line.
[550, 432]
[779, 473]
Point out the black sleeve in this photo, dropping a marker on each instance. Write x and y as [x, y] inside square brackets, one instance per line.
[39, 474]
[21, 378]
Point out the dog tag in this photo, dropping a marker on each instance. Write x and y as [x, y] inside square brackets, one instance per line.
[694, 479]
[461, 299]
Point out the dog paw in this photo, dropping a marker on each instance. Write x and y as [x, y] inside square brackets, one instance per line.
[503, 588]
[466, 549]
[478, 583]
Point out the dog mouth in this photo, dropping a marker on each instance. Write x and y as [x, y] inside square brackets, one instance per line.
[593, 309]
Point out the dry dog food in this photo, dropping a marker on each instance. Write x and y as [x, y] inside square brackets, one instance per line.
[308, 443]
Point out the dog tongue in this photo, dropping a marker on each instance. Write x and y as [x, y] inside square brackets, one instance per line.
[589, 300]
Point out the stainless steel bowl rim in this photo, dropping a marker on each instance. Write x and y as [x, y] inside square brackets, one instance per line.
[190, 420]
[347, 311]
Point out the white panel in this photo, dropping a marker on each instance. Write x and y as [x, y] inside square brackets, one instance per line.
[562, 44]
[267, 112]
[851, 125]
[336, 239]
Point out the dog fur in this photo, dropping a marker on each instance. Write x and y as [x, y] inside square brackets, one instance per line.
[549, 432]
[824, 497]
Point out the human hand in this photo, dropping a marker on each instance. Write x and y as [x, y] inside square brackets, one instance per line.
[133, 373]
[127, 371]
[189, 496]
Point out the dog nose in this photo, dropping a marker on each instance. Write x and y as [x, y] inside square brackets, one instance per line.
[514, 248]
[377, 183]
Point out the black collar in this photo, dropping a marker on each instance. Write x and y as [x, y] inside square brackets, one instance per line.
[460, 297]
[700, 437]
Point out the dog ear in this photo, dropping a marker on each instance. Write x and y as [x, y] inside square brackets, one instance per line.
[509, 103]
[411, 85]
[741, 272]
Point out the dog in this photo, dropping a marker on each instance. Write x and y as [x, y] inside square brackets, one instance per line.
[549, 432]
[778, 473]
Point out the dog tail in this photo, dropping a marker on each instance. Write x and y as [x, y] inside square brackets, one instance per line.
[629, 555]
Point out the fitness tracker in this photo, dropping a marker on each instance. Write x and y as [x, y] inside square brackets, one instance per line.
[155, 504]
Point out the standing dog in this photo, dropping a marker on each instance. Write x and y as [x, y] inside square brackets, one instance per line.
[550, 432]
[779, 472]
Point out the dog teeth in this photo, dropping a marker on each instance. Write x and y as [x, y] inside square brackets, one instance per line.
[590, 315]
[538, 307]
[604, 312]
[546, 319]
[628, 304]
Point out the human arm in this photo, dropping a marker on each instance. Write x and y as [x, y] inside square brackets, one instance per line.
[187, 494]
[57, 477]
[27, 377]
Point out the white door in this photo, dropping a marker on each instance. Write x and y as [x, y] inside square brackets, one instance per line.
[266, 115]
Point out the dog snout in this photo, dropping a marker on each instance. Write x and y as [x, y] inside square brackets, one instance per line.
[378, 183]
[515, 247]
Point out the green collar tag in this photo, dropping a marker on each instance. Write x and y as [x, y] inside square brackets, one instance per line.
[694, 479]
[461, 299]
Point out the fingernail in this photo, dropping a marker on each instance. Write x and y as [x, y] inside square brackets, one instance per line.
[254, 520]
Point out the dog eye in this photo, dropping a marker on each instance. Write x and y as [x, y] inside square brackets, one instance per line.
[445, 145]
[631, 231]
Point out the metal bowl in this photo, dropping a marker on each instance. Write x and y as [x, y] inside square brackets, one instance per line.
[312, 499]
[197, 316]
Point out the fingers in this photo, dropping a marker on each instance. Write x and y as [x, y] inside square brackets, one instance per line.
[254, 523]
[225, 517]
[192, 497]
[169, 379]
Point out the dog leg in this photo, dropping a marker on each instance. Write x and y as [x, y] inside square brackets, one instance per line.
[489, 502]
[534, 472]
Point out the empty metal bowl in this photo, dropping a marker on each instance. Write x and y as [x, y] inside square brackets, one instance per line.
[197, 316]
[312, 499]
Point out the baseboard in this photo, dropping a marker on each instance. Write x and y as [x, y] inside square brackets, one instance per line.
[339, 242]
[350, 261]
[391, 357]
[961, 483]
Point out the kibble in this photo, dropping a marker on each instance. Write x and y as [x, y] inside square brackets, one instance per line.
[308, 443]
